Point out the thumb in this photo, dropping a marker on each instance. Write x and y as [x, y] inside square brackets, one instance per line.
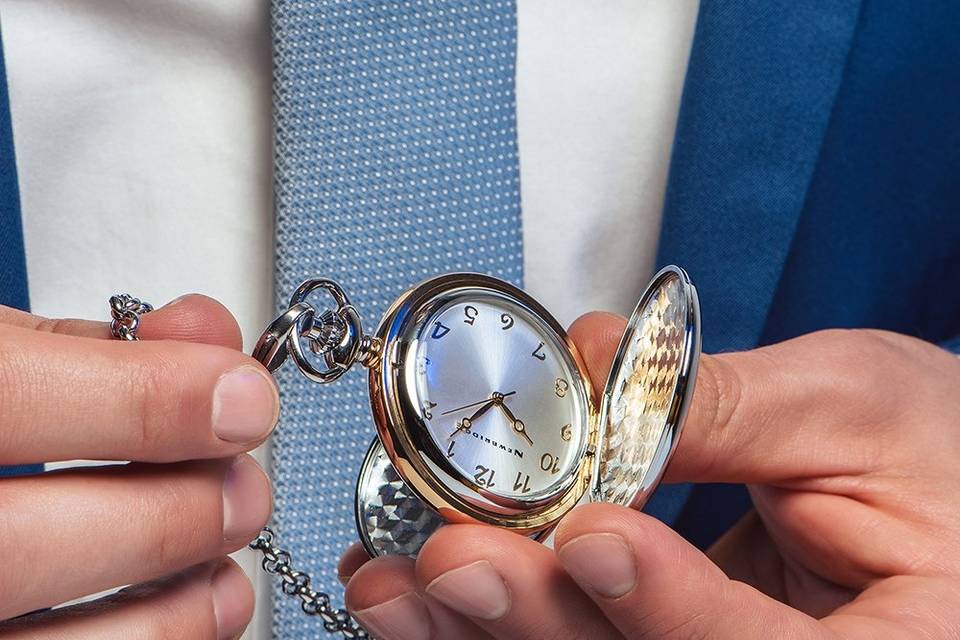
[821, 405]
[651, 583]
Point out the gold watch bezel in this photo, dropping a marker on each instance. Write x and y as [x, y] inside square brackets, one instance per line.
[401, 429]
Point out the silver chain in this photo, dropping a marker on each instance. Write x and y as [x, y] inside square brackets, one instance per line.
[295, 583]
[125, 311]
[336, 337]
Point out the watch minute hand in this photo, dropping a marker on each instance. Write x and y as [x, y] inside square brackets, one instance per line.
[473, 404]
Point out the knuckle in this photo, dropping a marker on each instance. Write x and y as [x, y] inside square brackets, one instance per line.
[156, 405]
[11, 387]
[20, 380]
[172, 619]
[868, 363]
[690, 625]
[720, 391]
[58, 325]
[855, 348]
[845, 365]
[11, 575]
[181, 527]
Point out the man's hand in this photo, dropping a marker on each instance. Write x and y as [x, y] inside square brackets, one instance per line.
[850, 444]
[184, 404]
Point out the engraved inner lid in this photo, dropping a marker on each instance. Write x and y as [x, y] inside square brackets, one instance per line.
[648, 390]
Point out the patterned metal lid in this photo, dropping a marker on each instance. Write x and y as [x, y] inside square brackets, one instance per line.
[648, 391]
[391, 520]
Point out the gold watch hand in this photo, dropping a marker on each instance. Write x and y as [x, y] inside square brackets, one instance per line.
[492, 398]
[522, 430]
[518, 425]
[465, 424]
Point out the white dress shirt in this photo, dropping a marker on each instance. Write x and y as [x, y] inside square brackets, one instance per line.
[142, 133]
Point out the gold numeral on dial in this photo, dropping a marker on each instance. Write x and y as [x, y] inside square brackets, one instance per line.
[561, 387]
[566, 432]
[471, 313]
[484, 476]
[522, 486]
[550, 463]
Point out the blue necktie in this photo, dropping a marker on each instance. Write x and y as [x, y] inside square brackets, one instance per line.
[13, 266]
[396, 160]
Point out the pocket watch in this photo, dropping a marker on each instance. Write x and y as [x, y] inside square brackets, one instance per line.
[483, 407]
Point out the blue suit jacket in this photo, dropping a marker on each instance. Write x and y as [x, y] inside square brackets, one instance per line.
[13, 267]
[815, 183]
[815, 179]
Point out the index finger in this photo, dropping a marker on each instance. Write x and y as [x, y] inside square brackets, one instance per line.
[189, 318]
[65, 398]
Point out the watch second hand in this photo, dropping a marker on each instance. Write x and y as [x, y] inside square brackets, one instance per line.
[473, 404]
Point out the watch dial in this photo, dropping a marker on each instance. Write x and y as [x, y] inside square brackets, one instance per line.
[500, 395]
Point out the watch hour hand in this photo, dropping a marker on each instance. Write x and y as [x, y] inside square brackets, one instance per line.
[482, 410]
[465, 424]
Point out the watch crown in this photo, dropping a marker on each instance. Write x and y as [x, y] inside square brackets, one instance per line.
[328, 333]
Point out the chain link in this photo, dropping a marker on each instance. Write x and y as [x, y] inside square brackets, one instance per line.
[125, 311]
[278, 562]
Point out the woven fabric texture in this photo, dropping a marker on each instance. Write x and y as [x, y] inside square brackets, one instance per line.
[396, 160]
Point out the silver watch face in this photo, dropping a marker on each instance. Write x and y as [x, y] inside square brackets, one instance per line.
[499, 395]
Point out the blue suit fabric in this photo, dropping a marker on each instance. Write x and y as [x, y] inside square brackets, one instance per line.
[815, 180]
[13, 265]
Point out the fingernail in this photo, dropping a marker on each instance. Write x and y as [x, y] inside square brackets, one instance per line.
[245, 405]
[230, 607]
[246, 500]
[602, 562]
[404, 618]
[476, 590]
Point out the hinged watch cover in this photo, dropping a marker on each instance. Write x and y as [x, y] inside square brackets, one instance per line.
[648, 391]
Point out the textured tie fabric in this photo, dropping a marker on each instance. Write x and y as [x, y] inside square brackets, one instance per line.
[396, 160]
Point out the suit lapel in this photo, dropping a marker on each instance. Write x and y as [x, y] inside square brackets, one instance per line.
[760, 86]
[13, 268]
